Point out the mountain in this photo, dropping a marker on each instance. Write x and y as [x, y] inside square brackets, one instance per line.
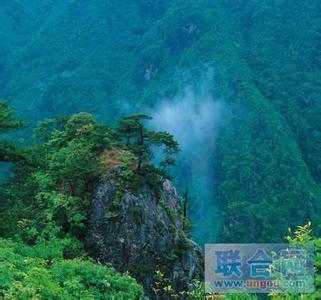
[144, 236]
[110, 57]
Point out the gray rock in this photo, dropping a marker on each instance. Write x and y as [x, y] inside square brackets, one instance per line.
[135, 234]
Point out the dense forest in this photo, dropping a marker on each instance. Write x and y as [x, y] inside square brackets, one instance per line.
[234, 89]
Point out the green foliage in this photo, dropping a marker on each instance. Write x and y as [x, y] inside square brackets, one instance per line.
[62, 57]
[52, 189]
[50, 200]
[7, 120]
[196, 291]
[141, 143]
[302, 236]
[8, 151]
[24, 275]
[58, 185]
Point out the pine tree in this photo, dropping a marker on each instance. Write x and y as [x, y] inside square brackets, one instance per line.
[140, 141]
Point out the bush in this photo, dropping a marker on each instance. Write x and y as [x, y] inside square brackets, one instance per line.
[26, 277]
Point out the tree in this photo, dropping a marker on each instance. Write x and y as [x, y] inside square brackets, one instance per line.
[8, 151]
[7, 120]
[140, 141]
[133, 130]
[53, 186]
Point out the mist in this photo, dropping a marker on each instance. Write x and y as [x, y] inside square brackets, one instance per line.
[194, 118]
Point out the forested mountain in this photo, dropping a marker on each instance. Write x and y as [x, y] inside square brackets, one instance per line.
[110, 57]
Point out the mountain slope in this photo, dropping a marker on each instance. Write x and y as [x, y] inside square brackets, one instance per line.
[104, 57]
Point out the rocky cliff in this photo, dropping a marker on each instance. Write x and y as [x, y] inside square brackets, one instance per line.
[143, 233]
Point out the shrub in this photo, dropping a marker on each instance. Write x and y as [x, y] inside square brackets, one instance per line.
[27, 277]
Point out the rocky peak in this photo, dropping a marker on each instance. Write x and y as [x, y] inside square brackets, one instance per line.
[143, 233]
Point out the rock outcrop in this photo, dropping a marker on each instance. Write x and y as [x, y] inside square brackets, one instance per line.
[143, 233]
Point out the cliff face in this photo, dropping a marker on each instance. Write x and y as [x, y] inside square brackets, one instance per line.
[143, 235]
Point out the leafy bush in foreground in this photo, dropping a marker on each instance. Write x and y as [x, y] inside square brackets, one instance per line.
[27, 277]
